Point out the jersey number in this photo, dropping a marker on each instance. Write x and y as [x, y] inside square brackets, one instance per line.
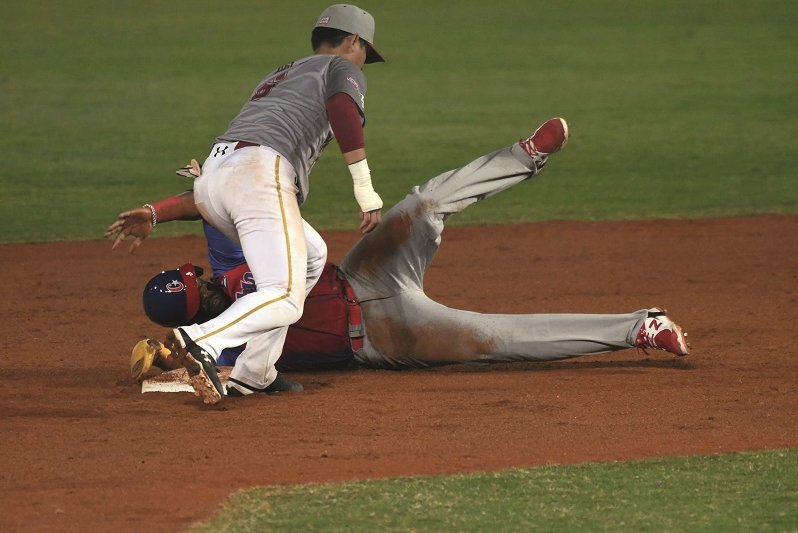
[271, 83]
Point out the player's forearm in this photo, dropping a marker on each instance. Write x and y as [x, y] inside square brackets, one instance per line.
[178, 207]
[354, 156]
[367, 198]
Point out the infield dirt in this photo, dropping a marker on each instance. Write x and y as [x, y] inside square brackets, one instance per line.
[83, 450]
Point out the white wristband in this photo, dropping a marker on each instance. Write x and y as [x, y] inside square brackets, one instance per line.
[367, 198]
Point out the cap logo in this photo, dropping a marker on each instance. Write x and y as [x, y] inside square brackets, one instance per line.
[324, 20]
[174, 286]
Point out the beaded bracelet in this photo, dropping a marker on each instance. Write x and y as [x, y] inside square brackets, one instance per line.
[153, 213]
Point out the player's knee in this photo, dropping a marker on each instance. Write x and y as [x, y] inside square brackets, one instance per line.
[317, 248]
[295, 309]
[318, 256]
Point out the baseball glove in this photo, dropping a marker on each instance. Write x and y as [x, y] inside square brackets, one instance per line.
[192, 170]
[148, 353]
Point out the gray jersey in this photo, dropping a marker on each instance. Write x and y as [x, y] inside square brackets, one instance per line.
[287, 111]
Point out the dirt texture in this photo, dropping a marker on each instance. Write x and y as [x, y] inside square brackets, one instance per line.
[84, 450]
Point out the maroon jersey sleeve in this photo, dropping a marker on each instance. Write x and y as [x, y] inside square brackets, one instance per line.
[345, 122]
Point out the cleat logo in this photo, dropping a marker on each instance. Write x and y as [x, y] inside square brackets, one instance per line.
[656, 324]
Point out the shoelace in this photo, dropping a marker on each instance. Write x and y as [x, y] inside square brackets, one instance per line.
[529, 147]
[647, 342]
[538, 158]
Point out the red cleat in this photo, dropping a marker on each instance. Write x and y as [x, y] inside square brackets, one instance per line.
[549, 138]
[661, 333]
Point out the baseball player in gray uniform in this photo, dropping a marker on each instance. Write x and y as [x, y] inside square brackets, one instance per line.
[253, 182]
[405, 328]
[402, 326]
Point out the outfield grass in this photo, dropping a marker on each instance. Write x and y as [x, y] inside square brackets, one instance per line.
[738, 492]
[678, 109]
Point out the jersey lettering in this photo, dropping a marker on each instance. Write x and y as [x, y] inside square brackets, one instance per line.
[247, 285]
[356, 85]
[272, 82]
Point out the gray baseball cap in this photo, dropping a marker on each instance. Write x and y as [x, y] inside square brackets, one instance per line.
[352, 19]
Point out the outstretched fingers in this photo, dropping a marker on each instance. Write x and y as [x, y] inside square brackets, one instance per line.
[136, 223]
[117, 225]
[369, 220]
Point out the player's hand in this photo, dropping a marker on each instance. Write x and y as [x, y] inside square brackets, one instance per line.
[136, 223]
[369, 220]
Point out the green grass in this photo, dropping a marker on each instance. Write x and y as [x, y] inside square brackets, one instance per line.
[678, 109]
[738, 492]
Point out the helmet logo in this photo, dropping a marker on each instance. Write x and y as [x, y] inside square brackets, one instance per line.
[174, 286]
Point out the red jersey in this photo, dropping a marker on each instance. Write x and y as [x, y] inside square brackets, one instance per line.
[321, 338]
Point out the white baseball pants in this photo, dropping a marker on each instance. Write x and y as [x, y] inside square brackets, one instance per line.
[250, 195]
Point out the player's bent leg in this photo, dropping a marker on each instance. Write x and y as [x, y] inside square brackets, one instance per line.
[278, 300]
[493, 173]
[256, 190]
[394, 257]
